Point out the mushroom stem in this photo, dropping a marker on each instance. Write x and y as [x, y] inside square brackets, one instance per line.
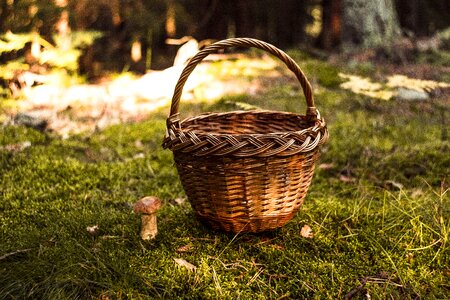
[149, 227]
[148, 206]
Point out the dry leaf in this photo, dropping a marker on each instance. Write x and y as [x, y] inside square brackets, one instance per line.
[16, 147]
[180, 201]
[306, 232]
[185, 264]
[92, 230]
[326, 166]
[409, 257]
[138, 144]
[391, 183]
[139, 155]
[416, 193]
[344, 178]
[185, 248]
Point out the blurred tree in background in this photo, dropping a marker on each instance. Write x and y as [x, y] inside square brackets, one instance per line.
[369, 23]
[423, 17]
[134, 32]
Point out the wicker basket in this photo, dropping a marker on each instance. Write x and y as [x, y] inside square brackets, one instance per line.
[245, 171]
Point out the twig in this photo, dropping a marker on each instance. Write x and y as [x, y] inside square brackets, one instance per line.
[377, 279]
[254, 277]
[353, 292]
[265, 241]
[202, 239]
[14, 253]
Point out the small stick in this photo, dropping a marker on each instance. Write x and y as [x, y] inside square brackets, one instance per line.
[14, 253]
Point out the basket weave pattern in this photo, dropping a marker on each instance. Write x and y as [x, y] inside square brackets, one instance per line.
[245, 171]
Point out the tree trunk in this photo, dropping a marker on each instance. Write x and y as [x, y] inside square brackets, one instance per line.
[62, 26]
[244, 25]
[214, 22]
[330, 35]
[171, 27]
[290, 20]
[369, 23]
[5, 11]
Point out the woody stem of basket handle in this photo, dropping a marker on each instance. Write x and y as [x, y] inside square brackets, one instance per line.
[173, 119]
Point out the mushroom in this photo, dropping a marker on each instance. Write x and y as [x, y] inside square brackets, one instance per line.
[148, 206]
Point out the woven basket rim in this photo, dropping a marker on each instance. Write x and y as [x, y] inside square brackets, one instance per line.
[210, 143]
[319, 124]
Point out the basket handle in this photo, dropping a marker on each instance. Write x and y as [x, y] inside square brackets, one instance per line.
[173, 118]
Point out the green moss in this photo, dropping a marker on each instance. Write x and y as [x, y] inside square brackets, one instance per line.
[365, 230]
[317, 70]
[439, 58]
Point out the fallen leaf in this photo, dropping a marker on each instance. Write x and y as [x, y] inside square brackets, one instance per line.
[326, 166]
[16, 147]
[180, 201]
[183, 263]
[409, 257]
[139, 155]
[344, 178]
[138, 144]
[391, 184]
[185, 248]
[92, 230]
[306, 232]
[416, 193]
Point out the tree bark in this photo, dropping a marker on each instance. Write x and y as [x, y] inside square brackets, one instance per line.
[369, 23]
[171, 27]
[330, 35]
[5, 12]
[62, 26]
[290, 20]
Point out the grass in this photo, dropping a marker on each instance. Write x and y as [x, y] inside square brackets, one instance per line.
[379, 211]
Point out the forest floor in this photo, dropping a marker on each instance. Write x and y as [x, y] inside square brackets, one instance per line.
[378, 206]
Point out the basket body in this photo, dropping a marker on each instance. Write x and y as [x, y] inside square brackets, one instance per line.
[246, 194]
[245, 171]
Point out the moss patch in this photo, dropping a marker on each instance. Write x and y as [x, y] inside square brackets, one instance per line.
[370, 236]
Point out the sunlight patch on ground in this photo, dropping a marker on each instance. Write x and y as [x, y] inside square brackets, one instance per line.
[386, 91]
[397, 80]
[77, 108]
[364, 86]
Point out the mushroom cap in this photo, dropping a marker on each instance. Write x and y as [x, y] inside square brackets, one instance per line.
[147, 205]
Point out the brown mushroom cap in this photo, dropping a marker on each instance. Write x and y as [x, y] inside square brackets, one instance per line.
[147, 205]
